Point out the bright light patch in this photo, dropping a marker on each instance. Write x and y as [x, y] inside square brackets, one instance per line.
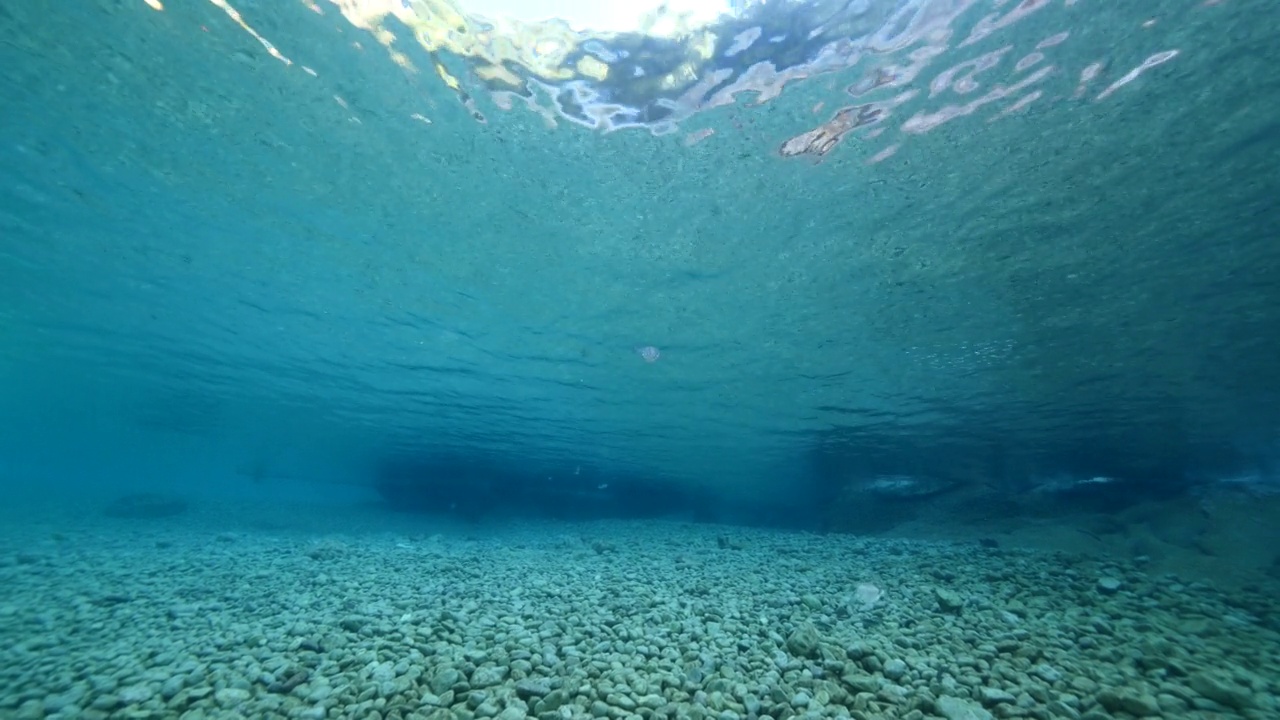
[584, 15]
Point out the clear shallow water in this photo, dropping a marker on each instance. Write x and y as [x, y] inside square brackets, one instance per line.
[310, 262]
[996, 273]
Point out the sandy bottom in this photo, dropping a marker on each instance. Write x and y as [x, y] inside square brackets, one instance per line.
[353, 613]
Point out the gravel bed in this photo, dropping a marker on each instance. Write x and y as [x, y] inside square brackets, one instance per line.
[618, 620]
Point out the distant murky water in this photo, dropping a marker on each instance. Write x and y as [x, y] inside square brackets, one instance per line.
[951, 239]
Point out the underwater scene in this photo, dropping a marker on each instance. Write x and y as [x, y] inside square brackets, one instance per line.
[646, 360]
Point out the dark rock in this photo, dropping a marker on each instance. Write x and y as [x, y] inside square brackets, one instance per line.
[1222, 689]
[948, 601]
[286, 686]
[804, 641]
[353, 623]
[533, 687]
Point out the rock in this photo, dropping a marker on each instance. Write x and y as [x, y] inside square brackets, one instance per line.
[106, 702]
[857, 650]
[290, 682]
[1139, 704]
[65, 703]
[618, 700]
[533, 688]
[804, 642]
[1108, 585]
[353, 623]
[948, 601]
[489, 675]
[995, 696]
[553, 701]
[1047, 673]
[956, 709]
[136, 694]
[1222, 690]
[515, 712]
[1060, 709]
[895, 669]
[232, 697]
[444, 679]
[173, 686]
[1173, 705]
[860, 683]
[386, 671]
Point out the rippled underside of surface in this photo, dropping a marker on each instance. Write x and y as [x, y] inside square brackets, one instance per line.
[314, 263]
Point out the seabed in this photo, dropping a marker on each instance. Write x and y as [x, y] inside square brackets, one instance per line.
[401, 618]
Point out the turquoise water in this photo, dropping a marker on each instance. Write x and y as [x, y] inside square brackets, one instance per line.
[941, 271]
[202, 241]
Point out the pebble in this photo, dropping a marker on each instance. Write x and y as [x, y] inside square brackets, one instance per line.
[949, 601]
[172, 686]
[953, 708]
[1046, 672]
[444, 679]
[1222, 690]
[505, 629]
[489, 676]
[135, 694]
[512, 713]
[232, 697]
[533, 688]
[995, 696]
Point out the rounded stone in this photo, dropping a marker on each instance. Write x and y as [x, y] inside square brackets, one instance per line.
[232, 697]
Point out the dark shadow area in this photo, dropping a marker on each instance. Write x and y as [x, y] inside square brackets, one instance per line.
[874, 486]
[145, 506]
[477, 488]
